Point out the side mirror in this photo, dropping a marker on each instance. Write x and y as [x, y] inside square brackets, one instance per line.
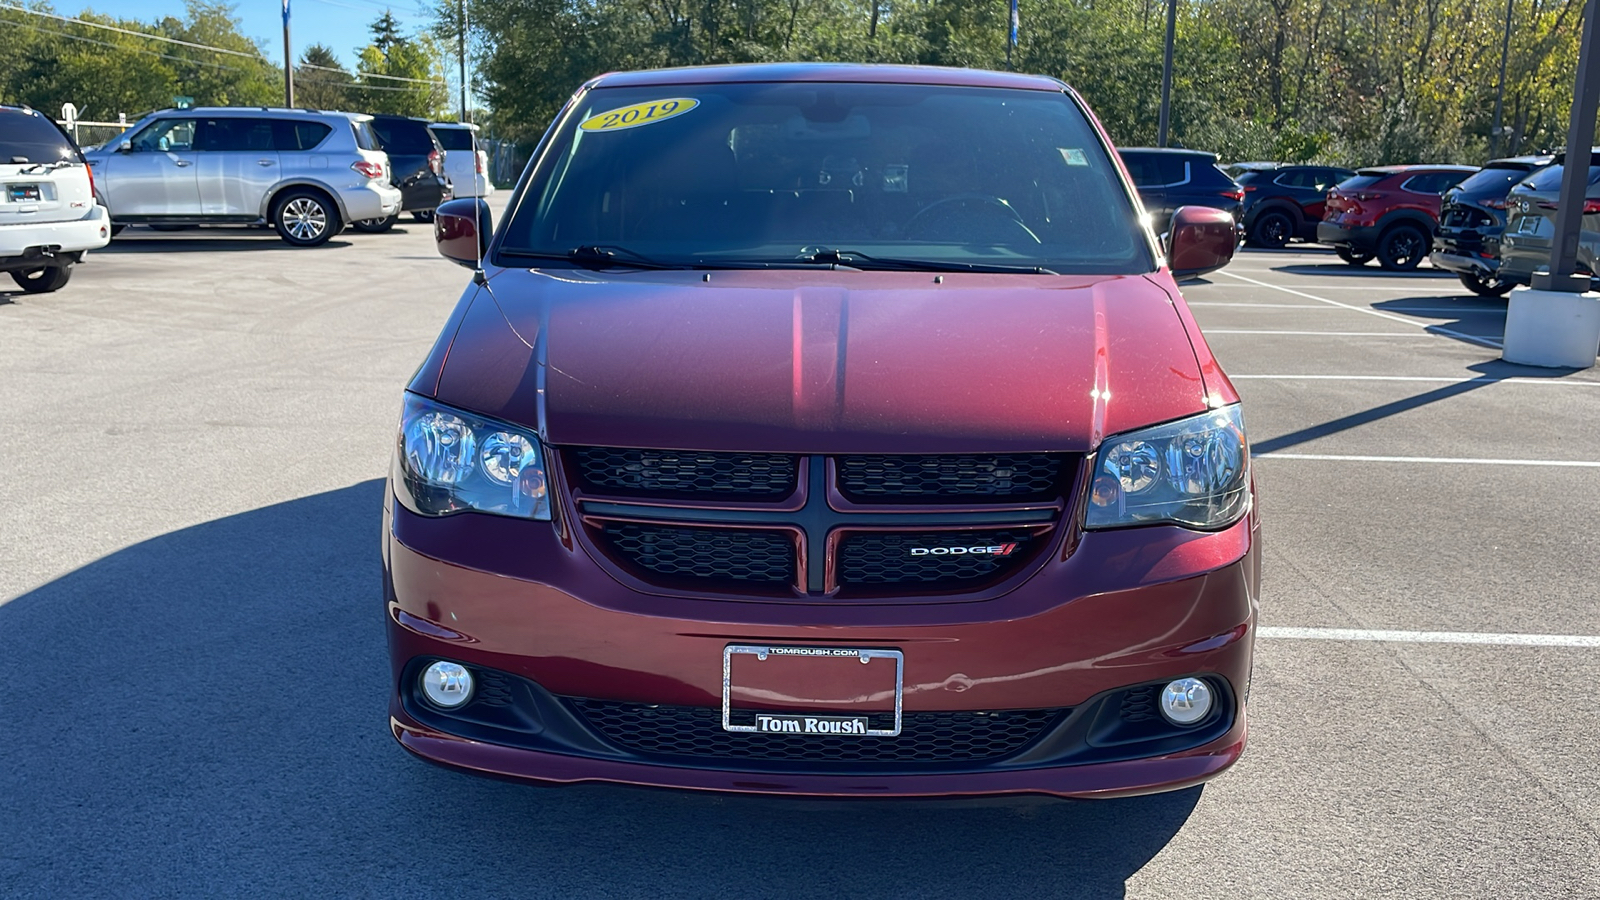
[461, 229]
[1200, 240]
[125, 147]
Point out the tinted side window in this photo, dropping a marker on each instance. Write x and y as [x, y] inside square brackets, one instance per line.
[403, 136]
[288, 134]
[164, 136]
[365, 138]
[237, 134]
[1433, 182]
[26, 137]
[1174, 169]
[454, 138]
[1298, 178]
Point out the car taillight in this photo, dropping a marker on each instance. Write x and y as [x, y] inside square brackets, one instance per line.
[1590, 207]
[435, 162]
[1248, 188]
[89, 170]
[481, 158]
[368, 169]
[1235, 194]
[1496, 203]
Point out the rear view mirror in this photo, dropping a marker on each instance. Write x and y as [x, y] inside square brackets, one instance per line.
[125, 147]
[461, 229]
[1200, 240]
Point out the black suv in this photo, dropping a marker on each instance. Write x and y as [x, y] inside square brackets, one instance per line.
[1283, 202]
[1471, 220]
[417, 163]
[1168, 178]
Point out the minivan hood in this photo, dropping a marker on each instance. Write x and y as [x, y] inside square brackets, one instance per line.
[809, 361]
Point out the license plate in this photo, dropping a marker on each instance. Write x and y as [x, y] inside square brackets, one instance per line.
[1529, 225]
[22, 193]
[785, 673]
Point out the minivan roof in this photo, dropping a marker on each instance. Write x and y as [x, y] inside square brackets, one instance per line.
[824, 72]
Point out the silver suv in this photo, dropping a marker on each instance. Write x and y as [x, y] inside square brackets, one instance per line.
[304, 172]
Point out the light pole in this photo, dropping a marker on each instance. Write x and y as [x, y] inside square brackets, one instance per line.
[288, 61]
[1166, 74]
[1500, 91]
[461, 53]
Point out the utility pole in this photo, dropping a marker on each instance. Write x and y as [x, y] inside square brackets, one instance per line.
[1166, 74]
[461, 53]
[288, 61]
[1500, 91]
[1011, 39]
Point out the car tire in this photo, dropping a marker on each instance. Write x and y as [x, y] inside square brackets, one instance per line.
[375, 226]
[1271, 230]
[1402, 247]
[425, 216]
[305, 218]
[1493, 287]
[1353, 257]
[42, 280]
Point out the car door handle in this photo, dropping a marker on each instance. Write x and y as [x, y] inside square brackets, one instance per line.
[264, 162]
[180, 163]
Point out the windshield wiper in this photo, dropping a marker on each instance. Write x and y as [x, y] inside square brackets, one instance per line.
[858, 260]
[599, 256]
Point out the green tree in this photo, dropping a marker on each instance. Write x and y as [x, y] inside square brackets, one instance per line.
[399, 75]
[320, 82]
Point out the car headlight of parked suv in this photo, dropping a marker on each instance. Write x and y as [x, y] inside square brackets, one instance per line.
[449, 461]
[1193, 472]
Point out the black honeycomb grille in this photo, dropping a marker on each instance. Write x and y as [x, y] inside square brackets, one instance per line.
[951, 479]
[708, 554]
[692, 731]
[1139, 704]
[888, 558]
[674, 473]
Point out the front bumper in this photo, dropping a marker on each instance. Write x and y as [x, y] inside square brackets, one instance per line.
[91, 232]
[1124, 608]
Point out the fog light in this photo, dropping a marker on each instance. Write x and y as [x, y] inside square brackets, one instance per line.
[447, 684]
[1185, 701]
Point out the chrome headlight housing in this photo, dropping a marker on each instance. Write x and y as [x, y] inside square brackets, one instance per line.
[1193, 472]
[449, 460]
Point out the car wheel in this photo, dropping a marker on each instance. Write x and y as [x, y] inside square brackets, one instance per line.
[1353, 257]
[42, 280]
[424, 216]
[1402, 247]
[375, 226]
[1491, 287]
[305, 219]
[1271, 230]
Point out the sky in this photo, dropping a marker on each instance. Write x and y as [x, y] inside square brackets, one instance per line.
[341, 24]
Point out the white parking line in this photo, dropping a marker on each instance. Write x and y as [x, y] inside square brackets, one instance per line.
[1395, 334]
[1438, 460]
[1487, 342]
[1428, 310]
[1275, 632]
[1484, 379]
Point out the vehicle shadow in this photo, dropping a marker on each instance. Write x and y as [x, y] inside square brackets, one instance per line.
[1464, 316]
[1338, 268]
[152, 244]
[204, 714]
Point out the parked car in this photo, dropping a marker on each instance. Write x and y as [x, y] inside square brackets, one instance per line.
[1471, 220]
[1531, 206]
[306, 173]
[416, 162]
[465, 163]
[1387, 211]
[1170, 178]
[48, 215]
[1284, 202]
[776, 454]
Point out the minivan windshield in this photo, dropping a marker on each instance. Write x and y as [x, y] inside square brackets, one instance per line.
[798, 174]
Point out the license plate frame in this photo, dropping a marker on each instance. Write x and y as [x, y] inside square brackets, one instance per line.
[854, 654]
[24, 193]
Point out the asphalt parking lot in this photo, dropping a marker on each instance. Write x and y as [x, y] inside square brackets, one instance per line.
[196, 433]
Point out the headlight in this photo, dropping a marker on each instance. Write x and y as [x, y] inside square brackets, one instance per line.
[449, 461]
[1194, 472]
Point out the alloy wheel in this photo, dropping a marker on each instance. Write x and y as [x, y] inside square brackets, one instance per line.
[304, 218]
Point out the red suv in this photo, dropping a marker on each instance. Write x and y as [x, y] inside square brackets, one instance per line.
[824, 429]
[1390, 212]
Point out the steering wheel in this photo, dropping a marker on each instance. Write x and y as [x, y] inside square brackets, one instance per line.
[984, 203]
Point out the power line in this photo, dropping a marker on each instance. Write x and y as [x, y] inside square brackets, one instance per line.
[371, 74]
[73, 37]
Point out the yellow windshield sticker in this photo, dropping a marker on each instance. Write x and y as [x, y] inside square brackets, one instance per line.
[638, 114]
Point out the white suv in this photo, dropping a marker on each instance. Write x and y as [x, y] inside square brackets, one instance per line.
[48, 215]
[306, 173]
[465, 165]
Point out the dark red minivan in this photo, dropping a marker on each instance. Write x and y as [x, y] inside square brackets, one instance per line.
[827, 430]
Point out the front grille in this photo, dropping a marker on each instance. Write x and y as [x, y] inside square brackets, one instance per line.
[705, 554]
[871, 557]
[693, 731]
[988, 478]
[675, 473]
[1139, 704]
